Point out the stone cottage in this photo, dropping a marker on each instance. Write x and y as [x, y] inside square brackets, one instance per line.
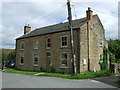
[49, 47]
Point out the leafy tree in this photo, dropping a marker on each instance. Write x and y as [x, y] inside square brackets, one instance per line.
[2, 57]
[112, 57]
[11, 54]
[104, 63]
[114, 48]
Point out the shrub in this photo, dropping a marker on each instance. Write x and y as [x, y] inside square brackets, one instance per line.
[52, 70]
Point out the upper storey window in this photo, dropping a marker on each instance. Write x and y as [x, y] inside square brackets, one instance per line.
[48, 42]
[100, 42]
[64, 41]
[36, 44]
[22, 45]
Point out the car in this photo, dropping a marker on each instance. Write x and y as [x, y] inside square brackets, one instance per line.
[11, 63]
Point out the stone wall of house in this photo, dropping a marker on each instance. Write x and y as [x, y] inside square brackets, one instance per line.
[55, 51]
[96, 32]
[83, 49]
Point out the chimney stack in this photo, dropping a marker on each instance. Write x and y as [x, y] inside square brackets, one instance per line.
[89, 14]
[27, 29]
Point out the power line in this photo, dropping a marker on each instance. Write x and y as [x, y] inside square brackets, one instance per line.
[49, 9]
[74, 12]
[53, 12]
[95, 9]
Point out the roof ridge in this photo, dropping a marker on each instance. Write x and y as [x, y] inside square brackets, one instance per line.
[77, 23]
[62, 22]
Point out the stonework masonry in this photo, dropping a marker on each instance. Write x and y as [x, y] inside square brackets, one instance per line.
[96, 33]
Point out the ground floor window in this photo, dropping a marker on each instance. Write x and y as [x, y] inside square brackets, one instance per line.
[63, 59]
[22, 59]
[35, 59]
[101, 58]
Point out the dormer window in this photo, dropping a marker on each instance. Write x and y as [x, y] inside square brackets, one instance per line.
[36, 44]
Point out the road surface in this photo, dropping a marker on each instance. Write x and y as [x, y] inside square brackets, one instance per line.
[10, 80]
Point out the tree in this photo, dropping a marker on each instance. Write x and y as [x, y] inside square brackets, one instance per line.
[104, 63]
[11, 54]
[114, 48]
[2, 57]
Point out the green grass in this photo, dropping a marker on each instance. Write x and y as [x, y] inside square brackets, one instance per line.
[19, 72]
[85, 75]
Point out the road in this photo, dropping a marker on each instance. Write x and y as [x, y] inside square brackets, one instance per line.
[10, 80]
[111, 80]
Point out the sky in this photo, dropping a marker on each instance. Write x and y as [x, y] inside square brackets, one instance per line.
[14, 15]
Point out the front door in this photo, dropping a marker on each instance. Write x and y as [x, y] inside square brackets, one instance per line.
[48, 61]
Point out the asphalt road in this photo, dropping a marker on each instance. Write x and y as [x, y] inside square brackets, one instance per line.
[10, 80]
[111, 80]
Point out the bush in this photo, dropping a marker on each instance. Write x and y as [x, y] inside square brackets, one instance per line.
[52, 70]
[41, 69]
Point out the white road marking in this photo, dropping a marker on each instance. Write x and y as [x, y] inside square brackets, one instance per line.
[95, 81]
[38, 74]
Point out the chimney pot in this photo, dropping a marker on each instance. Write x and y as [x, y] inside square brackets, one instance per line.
[89, 8]
[89, 13]
[27, 28]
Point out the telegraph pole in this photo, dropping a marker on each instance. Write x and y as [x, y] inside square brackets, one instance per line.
[71, 38]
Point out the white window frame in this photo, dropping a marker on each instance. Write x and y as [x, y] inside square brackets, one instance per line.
[61, 41]
[22, 43]
[22, 55]
[34, 60]
[48, 43]
[36, 44]
[100, 42]
[62, 66]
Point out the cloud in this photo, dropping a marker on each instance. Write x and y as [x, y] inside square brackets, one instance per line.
[38, 14]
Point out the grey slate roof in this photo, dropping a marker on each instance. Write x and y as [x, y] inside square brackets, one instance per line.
[55, 28]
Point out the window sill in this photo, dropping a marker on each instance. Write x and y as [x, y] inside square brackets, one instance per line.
[21, 64]
[48, 48]
[36, 65]
[64, 67]
[100, 45]
[64, 46]
[21, 49]
[35, 48]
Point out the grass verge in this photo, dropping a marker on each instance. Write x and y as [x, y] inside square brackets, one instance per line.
[19, 72]
[85, 75]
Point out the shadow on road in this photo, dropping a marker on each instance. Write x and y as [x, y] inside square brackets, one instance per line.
[111, 80]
